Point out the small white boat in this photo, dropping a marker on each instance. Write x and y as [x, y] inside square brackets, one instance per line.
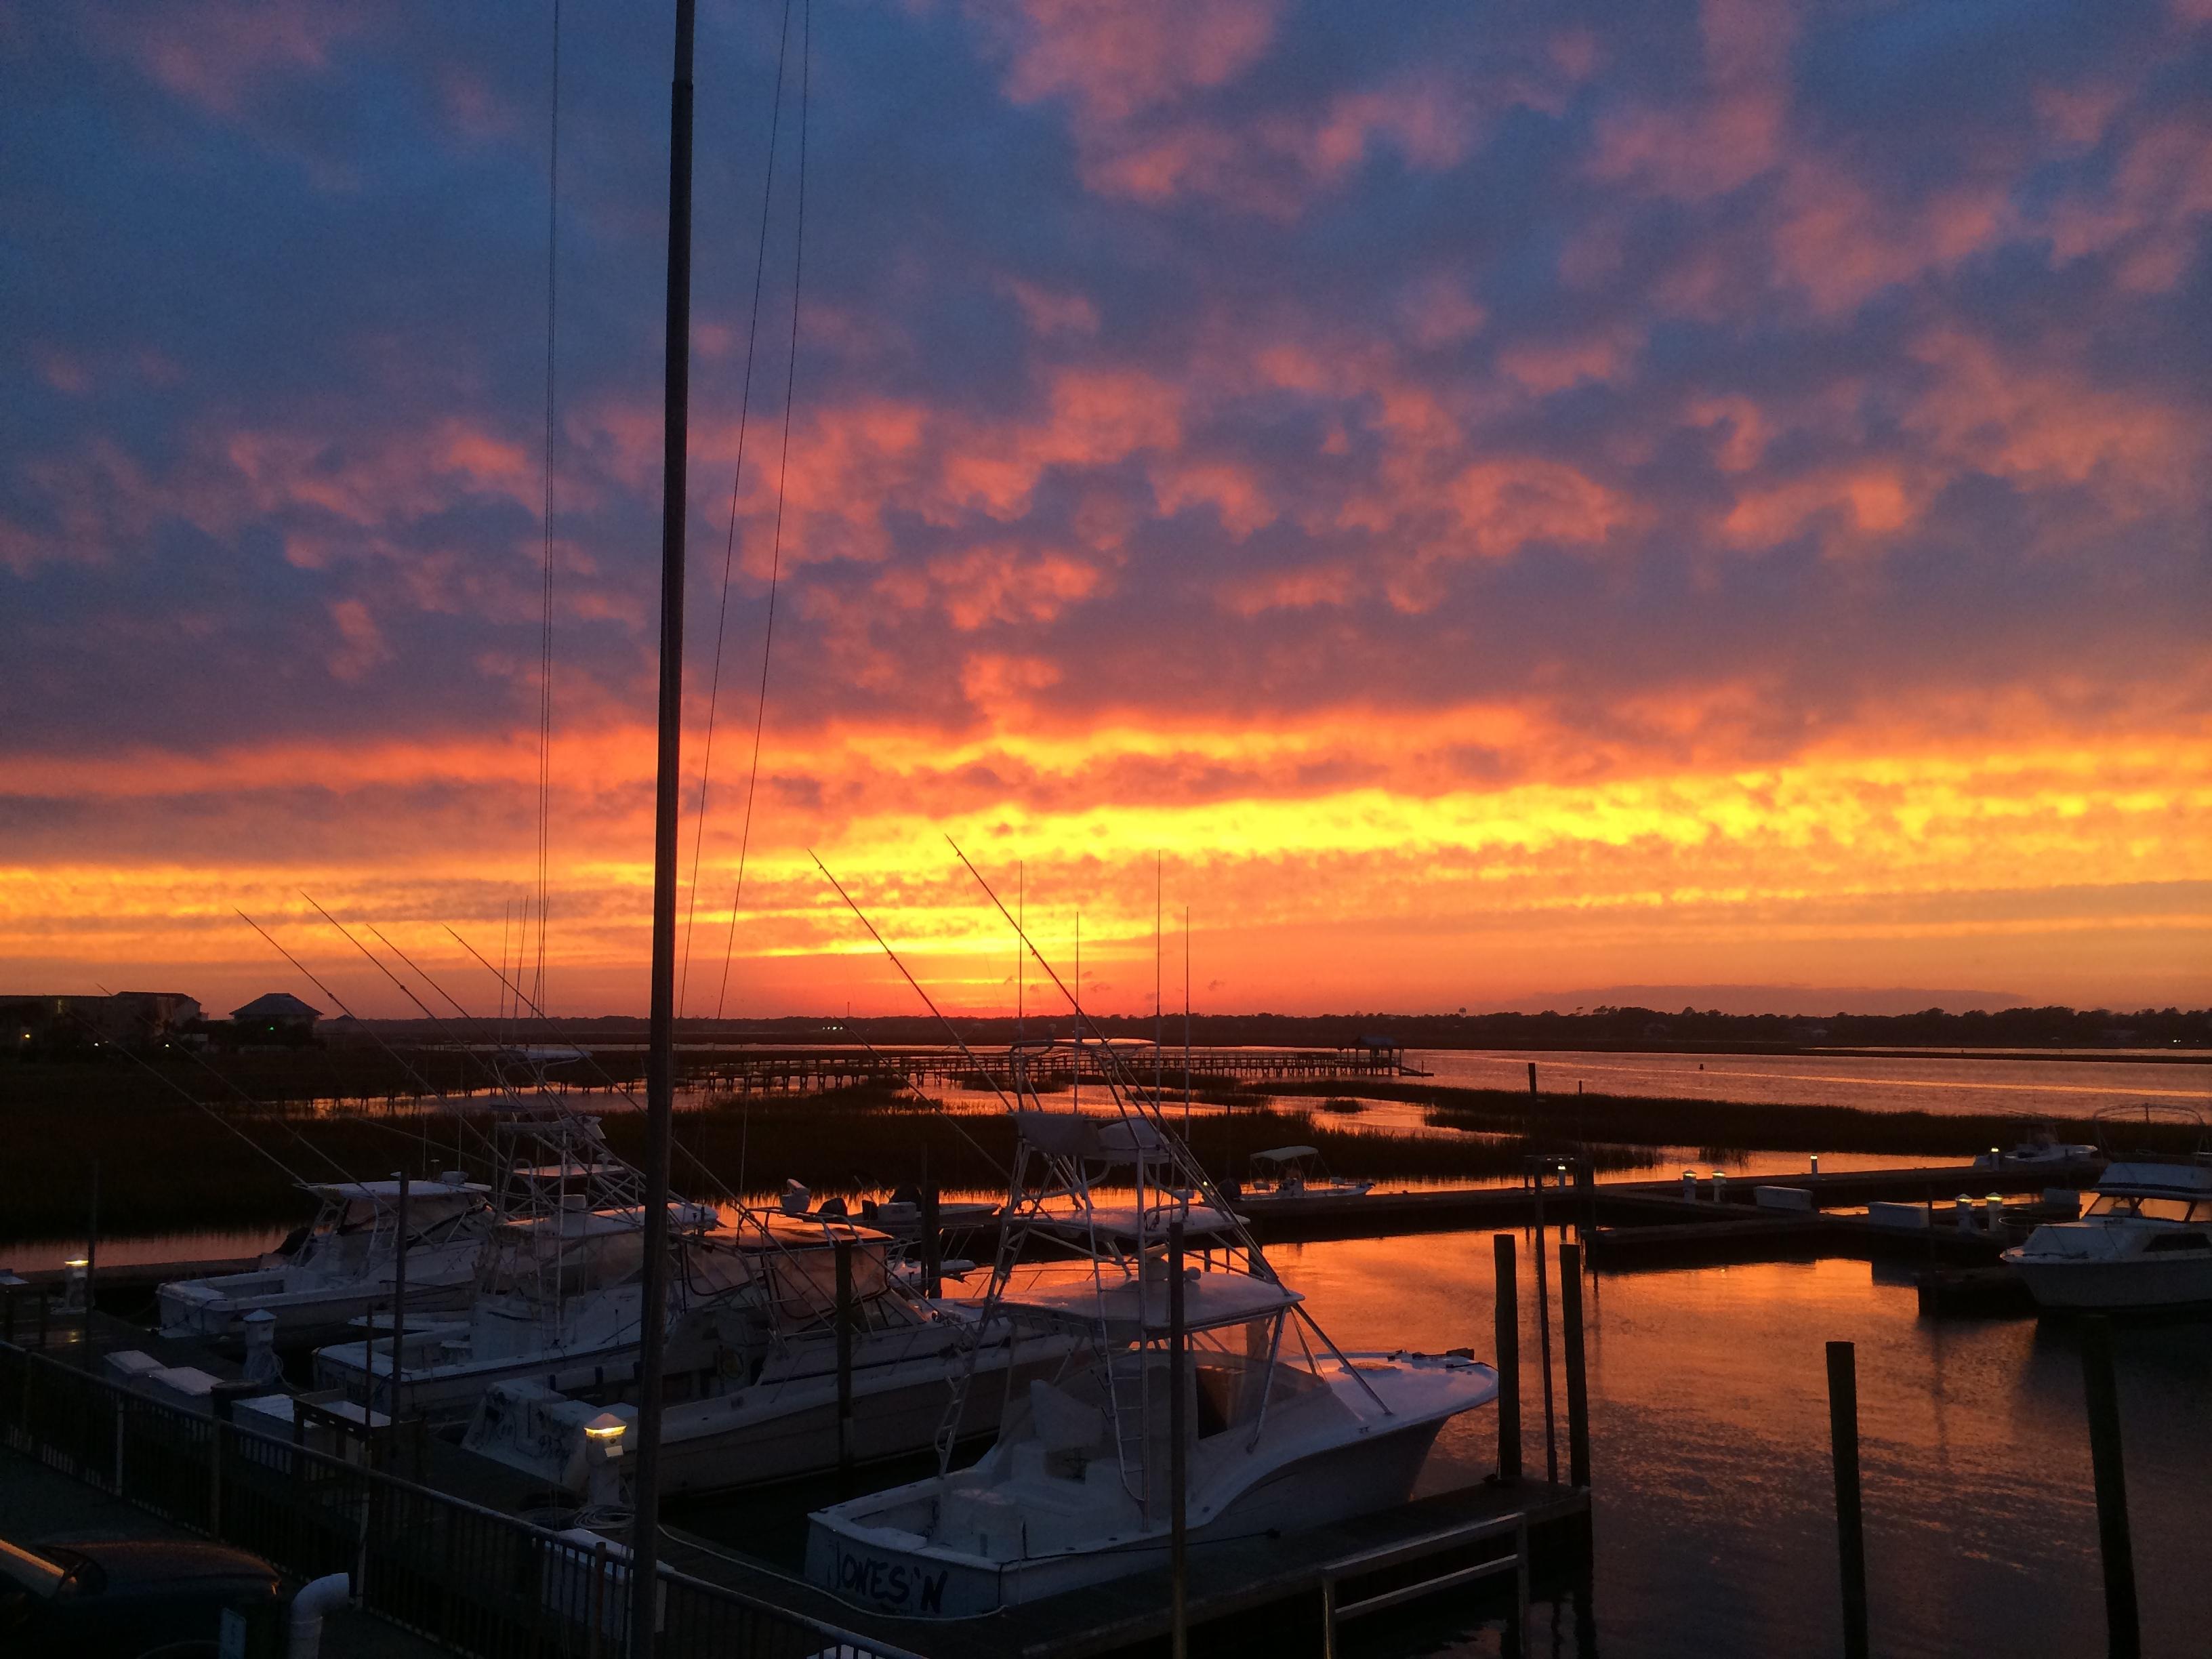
[1281, 1431]
[2038, 1149]
[344, 1269]
[1298, 1172]
[2145, 1242]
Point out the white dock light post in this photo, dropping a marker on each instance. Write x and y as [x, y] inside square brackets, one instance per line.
[603, 1451]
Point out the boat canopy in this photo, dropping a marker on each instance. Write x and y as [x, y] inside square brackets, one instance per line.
[1129, 1311]
[427, 1201]
[2176, 1180]
[1286, 1154]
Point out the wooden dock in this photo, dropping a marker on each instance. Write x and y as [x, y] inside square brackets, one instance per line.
[1624, 1209]
[771, 1071]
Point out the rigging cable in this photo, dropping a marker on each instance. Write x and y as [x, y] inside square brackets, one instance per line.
[730, 542]
[782, 476]
[545, 636]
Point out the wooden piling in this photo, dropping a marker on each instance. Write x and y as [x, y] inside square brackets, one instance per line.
[398, 1319]
[2100, 1393]
[1544, 1334]
[1571, 1320]
[1850, 1523]
[91, 1260]
[1508, 1342]
[844, 1254]
[1178, 1452]
[933, 1244]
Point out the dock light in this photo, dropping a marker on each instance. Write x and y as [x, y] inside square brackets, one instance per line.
[72, 1284]
[603, 1438]
[79, 1262]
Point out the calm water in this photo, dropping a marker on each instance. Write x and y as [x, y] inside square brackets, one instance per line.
[1715, 1508]
[2043, 1088]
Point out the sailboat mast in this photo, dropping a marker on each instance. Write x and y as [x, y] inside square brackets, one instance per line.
[660, 1052]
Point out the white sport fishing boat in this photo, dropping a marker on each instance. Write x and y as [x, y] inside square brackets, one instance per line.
[2145, 1242]
[765, 1407]
[553, 1292]
[343, 1266]
[1298, 1172]
[1281, 1430]
[2039, 1148]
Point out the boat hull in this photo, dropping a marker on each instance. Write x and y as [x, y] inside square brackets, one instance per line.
[2116, 1284]
[859, 1563]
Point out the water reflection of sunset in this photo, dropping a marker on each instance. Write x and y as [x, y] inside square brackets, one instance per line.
[1709, 1419]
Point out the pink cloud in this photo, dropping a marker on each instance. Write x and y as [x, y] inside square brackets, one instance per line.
[1709, 145]
[360, 643]
[1050, 311]
[1115, 58]
[2150, 216]
[219, 54]
[987, 585]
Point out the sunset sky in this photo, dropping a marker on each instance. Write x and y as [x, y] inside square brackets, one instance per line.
[1499, 497]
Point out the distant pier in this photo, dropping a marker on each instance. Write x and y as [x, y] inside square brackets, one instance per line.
[772, 1071]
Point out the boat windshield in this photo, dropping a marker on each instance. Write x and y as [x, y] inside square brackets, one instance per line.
[2134, 1208]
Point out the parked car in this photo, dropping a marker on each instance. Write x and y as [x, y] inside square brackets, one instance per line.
[130, 1599]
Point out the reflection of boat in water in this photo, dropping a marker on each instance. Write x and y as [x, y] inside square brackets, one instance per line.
[1280, 1430]
[2144, 1242]
[1298, 1172]
[343, 1266]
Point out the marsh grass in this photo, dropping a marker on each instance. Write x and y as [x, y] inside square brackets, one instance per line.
[167, 1166]
[1717, 1128]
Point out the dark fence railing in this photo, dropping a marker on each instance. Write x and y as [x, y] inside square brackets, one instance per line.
[480, 1582]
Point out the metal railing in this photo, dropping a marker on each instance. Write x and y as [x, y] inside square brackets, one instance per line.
[1371, 1563]
[479, 1581]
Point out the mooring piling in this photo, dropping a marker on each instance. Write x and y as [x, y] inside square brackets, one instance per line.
[844, 1254]
[2100, 1393]
[1544, 1334]
[1850, 1523]
[398, 1315]
[1508, 1342]
[933, 1244]
[1570, 1323]
[91, 1258]
[1178, 1452]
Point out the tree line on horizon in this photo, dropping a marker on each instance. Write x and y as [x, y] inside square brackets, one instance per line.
[2051, 1027]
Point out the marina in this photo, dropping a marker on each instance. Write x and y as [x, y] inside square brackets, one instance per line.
[1515, 1557]
[1157, 570]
